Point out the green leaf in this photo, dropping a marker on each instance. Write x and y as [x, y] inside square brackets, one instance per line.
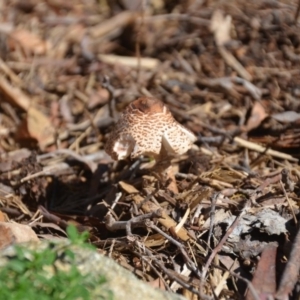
[73, 234]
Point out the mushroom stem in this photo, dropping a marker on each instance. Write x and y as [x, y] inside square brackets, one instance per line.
[165, 172]
[172, 185]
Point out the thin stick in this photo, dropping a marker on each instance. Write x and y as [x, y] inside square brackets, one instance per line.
[297, 12]
[190, 264]
[139, 221]
[234, 63]
[220, 245]
[214, 199]
[289, 202]
[170, 275]
[106, 84]
[138, 40]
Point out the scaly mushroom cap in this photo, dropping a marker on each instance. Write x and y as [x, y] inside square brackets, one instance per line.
[147, 127]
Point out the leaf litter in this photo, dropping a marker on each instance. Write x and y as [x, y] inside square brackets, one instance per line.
[227, 71]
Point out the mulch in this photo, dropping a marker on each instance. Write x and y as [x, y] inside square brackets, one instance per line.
[229, 71]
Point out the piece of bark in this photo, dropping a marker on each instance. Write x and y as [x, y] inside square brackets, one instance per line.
[264, 279]
[291, 272]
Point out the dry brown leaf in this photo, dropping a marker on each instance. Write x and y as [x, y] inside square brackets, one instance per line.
[154, 240]
[2, 217]
[98, 97]
[11, 233]
[128, 188]
[258, 114]
[6, 237]
[28, 40]
[39, 127]
[229, 263]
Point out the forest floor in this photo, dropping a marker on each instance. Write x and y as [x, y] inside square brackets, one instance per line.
[229, 71]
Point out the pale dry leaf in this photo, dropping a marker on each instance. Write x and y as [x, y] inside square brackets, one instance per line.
[185, 271]
[219, 217]
[271, 222]
[266, 220]
[287, 116]
[220, 26]
[128, 188]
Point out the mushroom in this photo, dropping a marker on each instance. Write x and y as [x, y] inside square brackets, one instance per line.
[147, 127]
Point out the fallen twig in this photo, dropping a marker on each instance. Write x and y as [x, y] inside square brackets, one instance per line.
[220, 245]
[139, 221]
[191, 265]
[262, 149]
[234, 63]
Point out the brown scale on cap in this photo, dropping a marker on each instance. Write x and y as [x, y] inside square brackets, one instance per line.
[147, 127]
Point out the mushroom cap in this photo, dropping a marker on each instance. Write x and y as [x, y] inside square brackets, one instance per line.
[147, 127]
